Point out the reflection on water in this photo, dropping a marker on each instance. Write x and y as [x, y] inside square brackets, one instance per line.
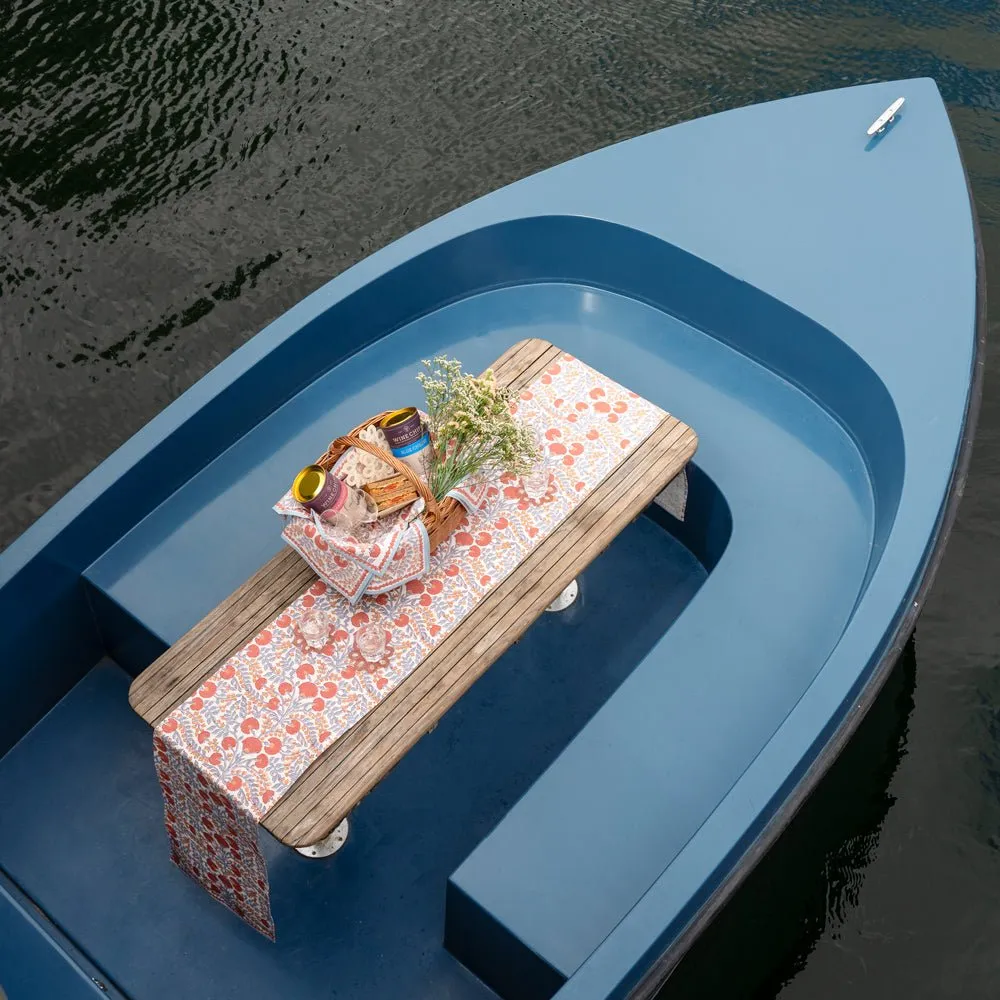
[176, 173]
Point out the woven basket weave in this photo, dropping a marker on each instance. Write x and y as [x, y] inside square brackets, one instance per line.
[440, 519]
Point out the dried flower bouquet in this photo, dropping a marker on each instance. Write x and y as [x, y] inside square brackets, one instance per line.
[473, 430]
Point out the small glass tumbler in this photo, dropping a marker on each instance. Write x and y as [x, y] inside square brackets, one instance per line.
[369, 641]
[313, 627]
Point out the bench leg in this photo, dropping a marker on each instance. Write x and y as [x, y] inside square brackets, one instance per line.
[329, 845]
[566, 598]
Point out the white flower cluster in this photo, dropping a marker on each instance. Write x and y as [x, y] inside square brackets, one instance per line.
[473, 430]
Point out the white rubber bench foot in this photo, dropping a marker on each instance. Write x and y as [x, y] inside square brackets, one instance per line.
[329, 845]
[566, 598]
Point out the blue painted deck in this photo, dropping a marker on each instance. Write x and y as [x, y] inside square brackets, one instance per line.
[158, 933]
[583, 801]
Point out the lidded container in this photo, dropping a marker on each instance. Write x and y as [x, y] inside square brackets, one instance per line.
[330, 497]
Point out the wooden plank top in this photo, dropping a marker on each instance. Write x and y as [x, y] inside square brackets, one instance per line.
[348, 769]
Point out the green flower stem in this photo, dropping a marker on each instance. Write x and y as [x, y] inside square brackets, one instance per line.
[473, 429]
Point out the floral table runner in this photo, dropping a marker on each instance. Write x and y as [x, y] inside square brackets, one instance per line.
[227, 754]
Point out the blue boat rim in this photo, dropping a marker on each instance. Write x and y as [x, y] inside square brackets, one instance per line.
[658, 973]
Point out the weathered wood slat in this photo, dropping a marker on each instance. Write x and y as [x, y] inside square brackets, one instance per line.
[355, 763]
[168, 680]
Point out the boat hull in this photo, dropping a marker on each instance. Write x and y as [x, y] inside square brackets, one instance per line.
[808, 300]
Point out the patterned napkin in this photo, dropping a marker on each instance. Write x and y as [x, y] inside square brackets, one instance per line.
[372, 558]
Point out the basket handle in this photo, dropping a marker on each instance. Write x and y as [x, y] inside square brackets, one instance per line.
[353, 441]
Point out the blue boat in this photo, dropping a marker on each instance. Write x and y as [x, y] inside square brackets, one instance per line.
[809, 298]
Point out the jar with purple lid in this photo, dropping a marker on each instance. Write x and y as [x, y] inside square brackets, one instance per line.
[332, 498]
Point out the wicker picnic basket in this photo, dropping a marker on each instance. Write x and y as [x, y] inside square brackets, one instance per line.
[440, 518]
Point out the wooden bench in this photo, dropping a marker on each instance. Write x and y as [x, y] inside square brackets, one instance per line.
[349, 768]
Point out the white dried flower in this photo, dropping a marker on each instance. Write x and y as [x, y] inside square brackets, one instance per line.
[472, 426]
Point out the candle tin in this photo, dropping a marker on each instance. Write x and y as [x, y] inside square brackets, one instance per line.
[316, 489]
[408, 438]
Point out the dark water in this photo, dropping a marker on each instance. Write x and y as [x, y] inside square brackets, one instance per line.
[173, 175]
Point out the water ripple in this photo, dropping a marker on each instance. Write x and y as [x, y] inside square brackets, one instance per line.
[117, 107]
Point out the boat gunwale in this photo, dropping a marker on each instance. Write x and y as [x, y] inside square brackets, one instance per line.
[869, 685]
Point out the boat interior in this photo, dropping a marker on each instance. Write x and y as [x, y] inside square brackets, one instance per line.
[513, 838]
